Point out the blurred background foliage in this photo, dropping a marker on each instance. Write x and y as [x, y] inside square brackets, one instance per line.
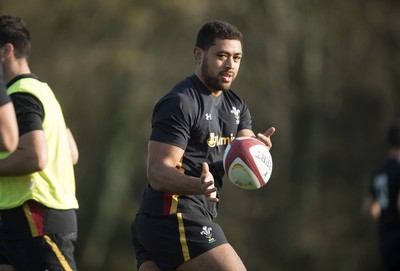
[326, 74]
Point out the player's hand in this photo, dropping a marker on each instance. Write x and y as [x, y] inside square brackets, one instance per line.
[207, 184]
[266, 137]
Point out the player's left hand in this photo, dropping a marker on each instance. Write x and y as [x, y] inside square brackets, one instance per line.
[266, 137]
[207, 183]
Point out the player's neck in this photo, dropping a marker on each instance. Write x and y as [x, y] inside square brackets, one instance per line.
[15, 68]
[213, 91]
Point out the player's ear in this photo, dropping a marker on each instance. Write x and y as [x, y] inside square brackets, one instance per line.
[6, 50]
[198, 54]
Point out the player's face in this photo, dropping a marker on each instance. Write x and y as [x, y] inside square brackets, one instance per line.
[221, 64]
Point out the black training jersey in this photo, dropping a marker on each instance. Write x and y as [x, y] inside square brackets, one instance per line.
[385, 188]
[193, 119]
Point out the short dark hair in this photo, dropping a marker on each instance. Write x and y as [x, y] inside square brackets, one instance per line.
[393, 135]
[13, 30]
[214, 30]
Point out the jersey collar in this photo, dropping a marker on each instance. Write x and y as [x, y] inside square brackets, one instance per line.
[21, 76]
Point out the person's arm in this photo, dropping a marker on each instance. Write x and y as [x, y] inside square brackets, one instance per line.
[72, 147]
[30, 155]
[265, 138]
[375, 209]
[8, 128]
[8, 119]
[371, 207]
[164, 176]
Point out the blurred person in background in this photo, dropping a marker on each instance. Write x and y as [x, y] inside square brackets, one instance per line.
[38, 225]
[383, 201]
[8, 121]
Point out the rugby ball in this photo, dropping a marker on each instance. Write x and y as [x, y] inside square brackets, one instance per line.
[248, 163]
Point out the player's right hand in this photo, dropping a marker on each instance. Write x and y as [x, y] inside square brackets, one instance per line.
[207, 184]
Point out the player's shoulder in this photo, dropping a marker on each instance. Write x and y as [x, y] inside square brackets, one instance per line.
[180, 97]
[230, 94]
[184, 85]
[186, 91]
[389, 167]
[231, 97]
[190, 87]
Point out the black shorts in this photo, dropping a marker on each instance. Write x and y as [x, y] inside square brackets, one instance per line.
[49, 252]
[170, 240]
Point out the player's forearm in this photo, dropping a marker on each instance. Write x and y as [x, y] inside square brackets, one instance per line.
[171, 180]
[20, 164]
[31, 156]
[8, 128]
[72, 147]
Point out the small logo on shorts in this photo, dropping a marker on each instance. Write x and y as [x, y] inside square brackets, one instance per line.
[207, 232]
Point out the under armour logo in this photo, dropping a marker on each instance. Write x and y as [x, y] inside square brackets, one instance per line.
[208, 116]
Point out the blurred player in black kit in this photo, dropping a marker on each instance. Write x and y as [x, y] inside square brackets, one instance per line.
[383, 201]
[192, 124]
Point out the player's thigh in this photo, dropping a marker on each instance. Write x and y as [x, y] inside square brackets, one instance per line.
[148, 266]
[6, 267]
[48, 252]
[221, 258]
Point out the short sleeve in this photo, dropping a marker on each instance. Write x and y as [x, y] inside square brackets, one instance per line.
[29, 111]
[245, 118]
[171, 121]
